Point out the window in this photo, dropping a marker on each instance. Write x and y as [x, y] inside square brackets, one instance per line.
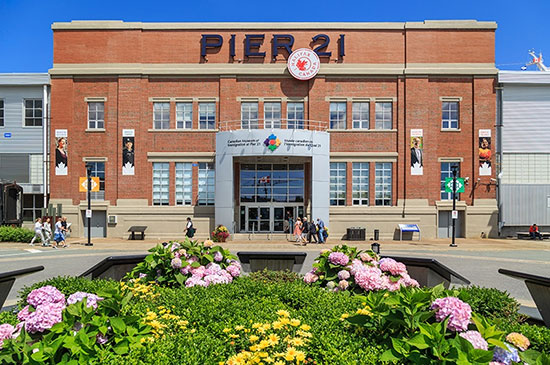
[272, 115]
[207, 183]
[96, 118]
[360, 183]
[249, 115]
[449, 118]
[207, 115]
[184, 183]
[382, 190]
[32, 206]
[98, 170]
[161, 115]
[33, 112]
[1, 113]
[446, 171]
[184, 115]
[338, 115]
[278, 183]
[383, 113]
[360, 115]
[161, 183]
[337, 183]
[36, 169]
[295, 115]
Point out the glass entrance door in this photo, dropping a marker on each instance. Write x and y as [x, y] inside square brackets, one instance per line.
[268, 219]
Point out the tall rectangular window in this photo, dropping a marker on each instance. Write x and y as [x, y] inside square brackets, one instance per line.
[184, 115]
[449, 119]
[98, 170]
[207, 183]
[36, 169]
[337, 183]
[383, 114]
[338, 115]
[249, 115]
[447, 171]
[96, 115]
[161, 115]
[360, 183]
[207, 115]
[360, 115]
[272, 115]
[32, 206]
[295, 115]
[161, 183]
[184, 183]
[382, 186]
[33, 112]
[1, 113]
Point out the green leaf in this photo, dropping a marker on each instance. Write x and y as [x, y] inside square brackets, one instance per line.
[418, 341]
[399, 346]
[118, 325]
[543, 359]
[126, 299]
[209, 257]
[121, 348]
[39, 356]
[195, 264]
[390, 356]
[132, 331]
[496, 342]
[180, 278]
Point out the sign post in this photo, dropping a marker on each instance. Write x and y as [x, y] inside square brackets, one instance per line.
[89, 210]
[454, 168]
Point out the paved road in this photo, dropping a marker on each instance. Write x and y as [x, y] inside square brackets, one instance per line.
[479, 265]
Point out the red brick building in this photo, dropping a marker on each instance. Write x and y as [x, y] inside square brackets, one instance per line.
[174, 92]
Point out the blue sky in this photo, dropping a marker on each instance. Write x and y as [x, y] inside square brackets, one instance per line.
[26, 37]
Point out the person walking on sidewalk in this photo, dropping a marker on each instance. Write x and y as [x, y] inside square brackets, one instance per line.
[305, 230]
[321, 230]
[38, 231]
[47, 232]
[298, 230]
[312, 232]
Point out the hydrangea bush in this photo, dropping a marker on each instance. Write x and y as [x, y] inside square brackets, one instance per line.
[346, 269]
[188, 263]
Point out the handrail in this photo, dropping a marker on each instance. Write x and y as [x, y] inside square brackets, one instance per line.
[273, 124]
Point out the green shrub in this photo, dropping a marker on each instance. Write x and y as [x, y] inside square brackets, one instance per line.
[15, 234]
[538, 336]
[8, 317]
[492, 303]
[267, 276]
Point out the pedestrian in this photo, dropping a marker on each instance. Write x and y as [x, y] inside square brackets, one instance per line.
[298, 230]
[66, 227]
[189, 229]
[290, 221]
[305, 230]
[321, 230]
[47, 227]
[58, 234]
[38, 231]
[312, 232]
[534, 232]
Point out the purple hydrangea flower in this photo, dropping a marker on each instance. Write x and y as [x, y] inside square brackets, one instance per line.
[393, 267]
[343, 275]
[142, 275]
[459, 313]
[6, 332]
[101, 339]
[310, 277]
[218, 256]
[91, 299]
[45, 294]
[44, 317]
[475, 338]
[176, 263]
[338, 258]
[194, 280]
[506, 356]
[23, 314]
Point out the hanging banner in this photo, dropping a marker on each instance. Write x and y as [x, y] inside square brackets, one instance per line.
[417, 152]
[485, 152]
[61, 152]
[128, 151]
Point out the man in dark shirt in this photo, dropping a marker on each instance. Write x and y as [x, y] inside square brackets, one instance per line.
[312, 232]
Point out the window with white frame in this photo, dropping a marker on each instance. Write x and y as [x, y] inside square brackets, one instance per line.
[295, 115]
[32, 206]
[36, 169]
[383, 183]
[161, 183]
[447, 171]
[98, 170]
[184, 183]
[207, 115]
[383, 115]
[272, 115]
[249, 115]
[360, 183]
[161, 115]
[184, 115]
[360, 115]
[338, 115]
[33, 112]
[207, 183]
[449, 118]
[1, 112]
[337, 183]
[96, 115]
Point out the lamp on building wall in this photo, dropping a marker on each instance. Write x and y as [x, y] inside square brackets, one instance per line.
[375, 247]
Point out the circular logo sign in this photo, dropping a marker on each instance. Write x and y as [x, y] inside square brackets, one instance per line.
[303, 64]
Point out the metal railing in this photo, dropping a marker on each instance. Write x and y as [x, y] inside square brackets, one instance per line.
[272, 124]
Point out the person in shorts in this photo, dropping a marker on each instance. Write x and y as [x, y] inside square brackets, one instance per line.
[58, 236]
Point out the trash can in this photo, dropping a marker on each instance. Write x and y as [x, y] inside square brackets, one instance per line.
[376, 235]
[355, 234]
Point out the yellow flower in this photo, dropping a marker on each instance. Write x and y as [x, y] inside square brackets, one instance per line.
[253, 338]
[295, 322]
[225, 330]
[290, 354]
[305, 327]
[263, 344]
[239, 328]
[273, 339]
[284, 321]
[279, 362]
[263, 354]
[277, 325]
[364, 311]
[300, 356]
[256, 325]
[344, 316]
[297, 341]
[233, 335]
[303, 333]
[283, 313]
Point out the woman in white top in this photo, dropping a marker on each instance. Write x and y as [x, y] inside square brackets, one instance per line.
[58, 236]
[48, 231]
[38, 231]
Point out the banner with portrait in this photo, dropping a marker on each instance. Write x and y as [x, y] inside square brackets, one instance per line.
[61, 158]
[417, 152]
[128, 146]
[485, 152]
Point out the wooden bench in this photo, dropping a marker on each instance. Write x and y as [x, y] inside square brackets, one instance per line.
[113, 267]
[276, 261]
[7, 279]
[527, 236]
[539, 288]
[138, 229]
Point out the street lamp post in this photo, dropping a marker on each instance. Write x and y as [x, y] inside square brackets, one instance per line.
[454, 170]
[89, 210]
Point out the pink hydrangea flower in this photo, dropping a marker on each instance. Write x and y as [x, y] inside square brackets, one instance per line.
[338, 258]
[393, 267]
[212, 269]
[343, 284]
[459, 313]
[198, 271]
[365, 257]
[310, 277]
[44, 317]
[218, 256]
[194, 280]
[475, 338]
[6, 332]
[91, 300]
[23, 314]
[217, 279]
[176, 263]
[519, 340]
[45, 294]
[369, 278]
[343, 275]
